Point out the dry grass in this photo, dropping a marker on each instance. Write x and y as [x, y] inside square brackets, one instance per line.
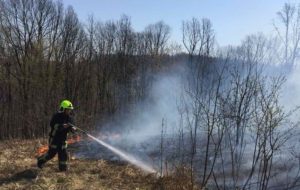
[18, 171]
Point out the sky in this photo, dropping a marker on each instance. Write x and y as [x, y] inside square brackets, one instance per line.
[232, 19]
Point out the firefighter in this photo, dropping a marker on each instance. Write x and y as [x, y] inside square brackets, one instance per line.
[58, 136]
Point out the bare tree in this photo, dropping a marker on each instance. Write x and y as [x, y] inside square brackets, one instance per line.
[191, 35]
[157, 36]
[198, 36]
[289, 33]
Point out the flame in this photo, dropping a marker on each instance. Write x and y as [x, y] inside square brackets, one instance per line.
[74, 140]
[43, 149]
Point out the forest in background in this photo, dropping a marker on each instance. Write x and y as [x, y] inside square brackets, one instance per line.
[47, 54]
[232, 132]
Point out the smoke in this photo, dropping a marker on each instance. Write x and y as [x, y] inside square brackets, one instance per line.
[291, 90]
[159, 108]
[138, 132]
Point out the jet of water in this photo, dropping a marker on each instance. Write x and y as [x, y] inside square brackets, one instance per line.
[125, 156]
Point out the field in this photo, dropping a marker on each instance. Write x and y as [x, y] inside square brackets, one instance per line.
[18, 171]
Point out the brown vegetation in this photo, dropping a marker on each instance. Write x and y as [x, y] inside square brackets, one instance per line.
[18, 171]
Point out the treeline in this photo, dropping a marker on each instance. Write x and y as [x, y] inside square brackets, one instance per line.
[47, 54]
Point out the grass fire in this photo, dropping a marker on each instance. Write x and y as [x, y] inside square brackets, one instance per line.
[181, 95]
[43, 149]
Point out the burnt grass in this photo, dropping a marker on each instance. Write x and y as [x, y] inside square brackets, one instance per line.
[18, 171]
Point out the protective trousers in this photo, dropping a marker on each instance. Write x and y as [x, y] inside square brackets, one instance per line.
[62, 156]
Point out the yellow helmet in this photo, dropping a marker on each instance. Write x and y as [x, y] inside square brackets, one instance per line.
[66, 104]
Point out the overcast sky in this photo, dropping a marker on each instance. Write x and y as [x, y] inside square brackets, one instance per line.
[232, 19]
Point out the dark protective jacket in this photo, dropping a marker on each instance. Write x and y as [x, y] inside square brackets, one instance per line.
[58, 134]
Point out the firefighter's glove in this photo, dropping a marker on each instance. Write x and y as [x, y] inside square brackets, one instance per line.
[74, 130]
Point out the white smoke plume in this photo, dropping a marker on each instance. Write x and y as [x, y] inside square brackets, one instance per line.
[291, 90]
[146, 119]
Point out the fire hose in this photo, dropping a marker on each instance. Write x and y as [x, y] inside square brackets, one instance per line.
[79, 129]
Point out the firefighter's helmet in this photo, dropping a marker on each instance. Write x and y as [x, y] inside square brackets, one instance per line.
[66, 104]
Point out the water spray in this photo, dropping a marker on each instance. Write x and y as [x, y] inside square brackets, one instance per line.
[131, 159]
